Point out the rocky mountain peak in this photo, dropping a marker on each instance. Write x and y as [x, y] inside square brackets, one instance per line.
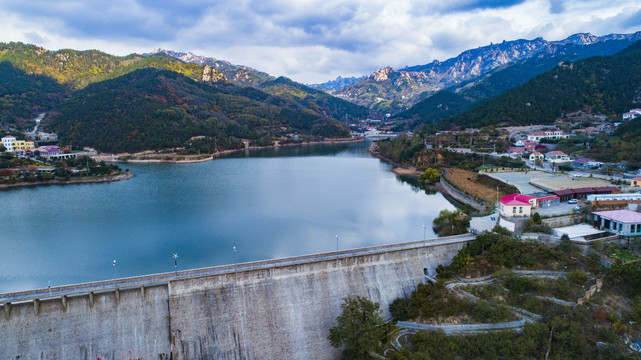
[581, 39]
[212, 75]
[382, 74]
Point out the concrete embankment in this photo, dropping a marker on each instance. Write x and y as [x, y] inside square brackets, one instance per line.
[276, 309]
[461, 196]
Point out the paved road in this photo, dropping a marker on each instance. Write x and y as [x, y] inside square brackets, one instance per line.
[468, 329]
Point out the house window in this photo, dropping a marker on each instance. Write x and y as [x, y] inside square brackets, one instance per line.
[520, 209]
[514, 210]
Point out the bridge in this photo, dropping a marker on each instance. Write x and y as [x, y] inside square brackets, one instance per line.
[280, 308]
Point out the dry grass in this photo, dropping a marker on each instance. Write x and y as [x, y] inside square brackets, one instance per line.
[466, 180]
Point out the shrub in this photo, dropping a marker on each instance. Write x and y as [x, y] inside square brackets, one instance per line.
[577, 276]
[518, 284]
[402, 309]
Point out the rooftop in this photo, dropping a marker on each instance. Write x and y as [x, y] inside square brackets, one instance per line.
[517, 199]
[556, 152]
[623, 216]
[583, 161]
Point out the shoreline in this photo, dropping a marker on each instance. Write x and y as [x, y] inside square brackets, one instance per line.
[102, 179]
[191, 159]
[412, 171]
[398, 169]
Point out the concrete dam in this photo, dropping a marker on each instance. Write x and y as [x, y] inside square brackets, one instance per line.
[273, 309]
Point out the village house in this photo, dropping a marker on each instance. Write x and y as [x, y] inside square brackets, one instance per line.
[583, 193]
[591, 130]
[22, 145]
[556, 157]
[7, 142]
[633, 113]
[586, 164]
[620, 222]
[519, 205]
[12, 145]
[522, 147]
[548, 135]
[50, 152]
[536, 156]
[636, 182]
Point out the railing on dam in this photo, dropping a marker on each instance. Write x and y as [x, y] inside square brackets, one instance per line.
[165, 278]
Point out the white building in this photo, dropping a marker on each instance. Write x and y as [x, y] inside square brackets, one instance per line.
[633, 113]
[536, 156]
[556, 157]
[8, 142]
[548, 134]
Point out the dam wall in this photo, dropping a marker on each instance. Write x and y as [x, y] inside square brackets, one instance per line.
[123, 325]
[275, 309]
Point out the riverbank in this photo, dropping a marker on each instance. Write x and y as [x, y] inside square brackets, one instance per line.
[399, 169]
[97, 179]
[175, 158]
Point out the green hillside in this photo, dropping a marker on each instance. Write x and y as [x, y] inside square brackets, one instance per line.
[23, 95]
[462, 97]
[36, 80]
[157, 109]
[81, 68]
[606, 84]
[315, 99]
[307, 96]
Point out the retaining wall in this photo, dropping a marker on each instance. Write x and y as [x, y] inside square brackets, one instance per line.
[561, 221]
[461, 196]
[278, 309]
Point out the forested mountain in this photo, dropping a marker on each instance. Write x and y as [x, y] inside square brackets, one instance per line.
[157, 109]
[246, 76]
[393, 90]
[606, 84]
[22, 95]
[34, 79]
[315, 99]
[472, 93]
[81, 68]
[120, 104]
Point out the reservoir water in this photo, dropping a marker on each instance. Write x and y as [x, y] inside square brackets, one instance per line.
[266, 203]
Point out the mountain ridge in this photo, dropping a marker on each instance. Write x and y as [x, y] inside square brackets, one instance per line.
[391, 90]
[154, 109]
[606, 84]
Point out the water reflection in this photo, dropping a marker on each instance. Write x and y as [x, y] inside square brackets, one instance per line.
[267, 206]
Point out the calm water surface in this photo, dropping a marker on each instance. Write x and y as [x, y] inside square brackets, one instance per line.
[268, 204]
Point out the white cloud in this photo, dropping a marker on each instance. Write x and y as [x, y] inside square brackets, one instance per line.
[310, 40]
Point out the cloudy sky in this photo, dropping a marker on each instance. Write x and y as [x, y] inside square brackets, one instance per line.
[308, 40]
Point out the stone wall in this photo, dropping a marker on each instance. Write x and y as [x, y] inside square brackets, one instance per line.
[461, 196]
[561, 221]
[278, 309]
